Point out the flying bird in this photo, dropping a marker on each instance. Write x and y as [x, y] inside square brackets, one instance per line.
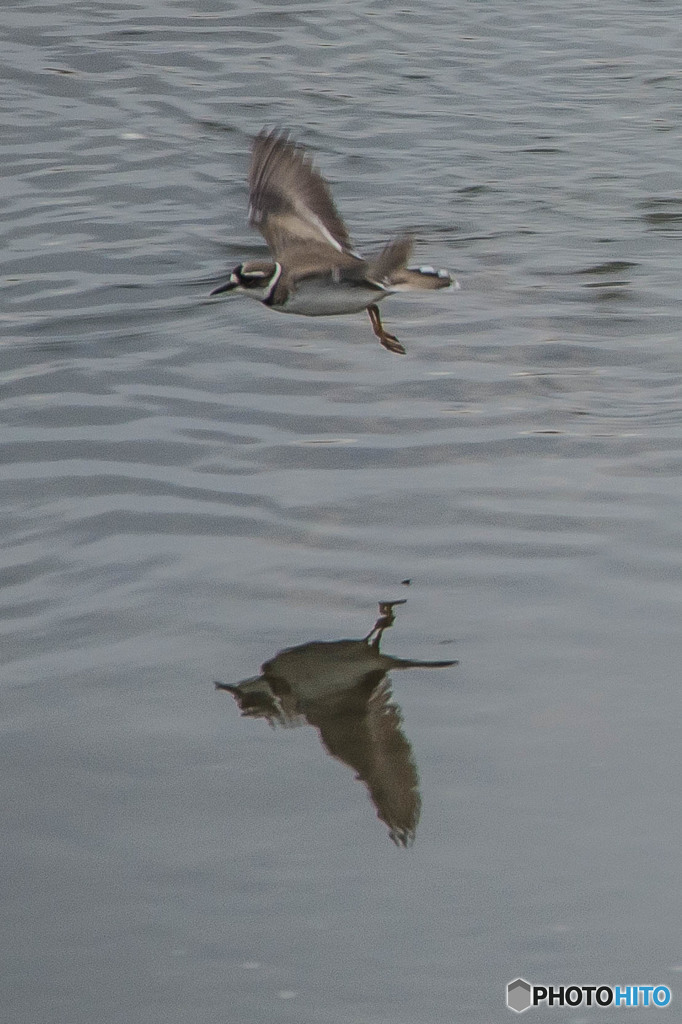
[315, 271]
[341, 687]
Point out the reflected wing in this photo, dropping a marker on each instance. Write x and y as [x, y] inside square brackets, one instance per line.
[289, 201]
[370, 740]
[392, 780]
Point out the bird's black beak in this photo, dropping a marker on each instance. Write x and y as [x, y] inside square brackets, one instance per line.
[231, 283]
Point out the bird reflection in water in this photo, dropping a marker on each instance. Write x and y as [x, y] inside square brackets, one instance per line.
[341, 688]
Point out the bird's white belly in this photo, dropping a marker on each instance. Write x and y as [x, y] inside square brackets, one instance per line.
[313, 298]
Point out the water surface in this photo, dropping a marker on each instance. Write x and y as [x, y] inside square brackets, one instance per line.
[191, 487]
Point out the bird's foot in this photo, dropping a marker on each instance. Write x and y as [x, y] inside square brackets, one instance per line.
[389, 341]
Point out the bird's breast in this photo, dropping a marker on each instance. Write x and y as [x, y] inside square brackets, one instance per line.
[325, 297]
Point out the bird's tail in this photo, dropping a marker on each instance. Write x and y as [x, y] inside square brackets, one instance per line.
[410, 279]
[389, 268]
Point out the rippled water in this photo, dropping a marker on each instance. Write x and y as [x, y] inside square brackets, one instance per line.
[190, 487]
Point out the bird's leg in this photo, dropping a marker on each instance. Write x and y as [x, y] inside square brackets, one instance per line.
[389, 341]
[385, 620]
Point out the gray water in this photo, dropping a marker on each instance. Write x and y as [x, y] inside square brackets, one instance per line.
[189, 487]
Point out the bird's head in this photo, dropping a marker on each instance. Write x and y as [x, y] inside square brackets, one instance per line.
[256, 278]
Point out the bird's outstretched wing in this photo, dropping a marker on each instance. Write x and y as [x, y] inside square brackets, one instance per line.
[372, 742]
[289, 201]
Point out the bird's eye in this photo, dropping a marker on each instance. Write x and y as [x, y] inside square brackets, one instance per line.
[252, 278]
